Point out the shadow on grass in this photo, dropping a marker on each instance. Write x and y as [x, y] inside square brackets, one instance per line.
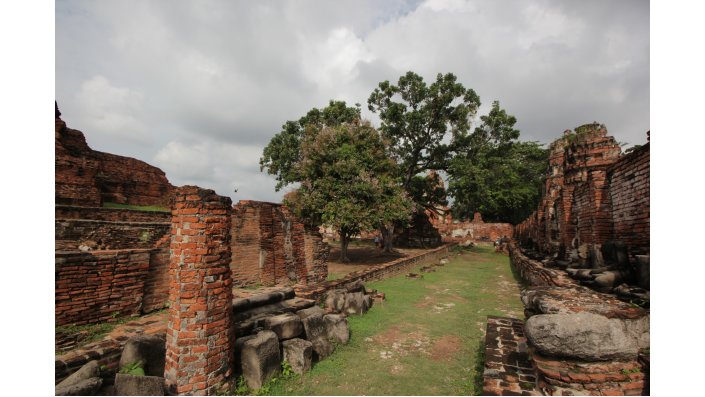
[479, 368]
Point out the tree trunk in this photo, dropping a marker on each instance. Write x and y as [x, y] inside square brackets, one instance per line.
[344, 241]
[388, 237]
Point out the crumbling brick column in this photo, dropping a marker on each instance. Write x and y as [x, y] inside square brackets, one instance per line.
[198, 348]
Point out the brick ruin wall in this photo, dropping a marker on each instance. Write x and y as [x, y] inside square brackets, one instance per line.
[270, 246]
[593, 194]
[124, 273]
[595, 197]
[101, 286]
[630, 199]
[86, 177]
[70, 234]
[513, 365]
[475, 230]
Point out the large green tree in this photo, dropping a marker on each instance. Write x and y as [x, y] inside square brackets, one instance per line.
[283, 152]
[424, 124]
[346, 181]
[494, 173]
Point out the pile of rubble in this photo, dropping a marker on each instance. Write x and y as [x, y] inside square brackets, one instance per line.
[270, 326]
[289, 332]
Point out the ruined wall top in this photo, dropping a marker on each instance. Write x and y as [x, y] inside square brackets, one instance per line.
[580, 150]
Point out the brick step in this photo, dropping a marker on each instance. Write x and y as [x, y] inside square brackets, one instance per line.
[245, 321]
[245, 300]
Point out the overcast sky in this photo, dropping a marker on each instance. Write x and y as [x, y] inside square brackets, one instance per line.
[198, 88]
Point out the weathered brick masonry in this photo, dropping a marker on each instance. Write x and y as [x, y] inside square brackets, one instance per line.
[102, 285]
[198, 345]
[125, 273]
[592, 196]
[551, 291]
[270, 246]
[87, 177]
[71, 233]
[630, 198]
[111, 214]
[476, 230]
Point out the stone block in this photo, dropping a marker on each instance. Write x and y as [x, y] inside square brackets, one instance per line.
[286, 326]
[85, 381]
[89, 370]
[335, 300]
[239, 344]
[298, 353]
[587, 336]
[148, 349]
[316, 333]
[337, 328]
[135, 385]
[642, 271]
[355, 303]
[86, 387]
[261, 358]
[309, 311]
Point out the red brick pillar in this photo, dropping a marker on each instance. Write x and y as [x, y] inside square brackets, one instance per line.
[198, 348]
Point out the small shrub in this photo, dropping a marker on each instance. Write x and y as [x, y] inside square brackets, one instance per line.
[133, 369]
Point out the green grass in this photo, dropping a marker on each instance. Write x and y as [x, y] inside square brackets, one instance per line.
[334, 276]
[451, 303]
[136, 207]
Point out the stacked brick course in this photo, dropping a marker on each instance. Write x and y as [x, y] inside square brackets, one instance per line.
[592, 195]
[509, 370]
[71, 233]
[270, 246]
[629, 196]
[89, 178]
[198, 346]
[99, 286]
[111, 214]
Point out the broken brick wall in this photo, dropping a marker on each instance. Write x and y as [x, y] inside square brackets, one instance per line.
[593, 194]
[270, 246]
[99, 286]
[86, 177]
[476, 230]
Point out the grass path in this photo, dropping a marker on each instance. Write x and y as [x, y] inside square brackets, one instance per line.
[425, 339]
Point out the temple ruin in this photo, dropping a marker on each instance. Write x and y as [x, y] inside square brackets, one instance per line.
[584, 256]
[227, 290]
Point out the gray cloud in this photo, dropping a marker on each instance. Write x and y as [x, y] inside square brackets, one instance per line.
[199, 88]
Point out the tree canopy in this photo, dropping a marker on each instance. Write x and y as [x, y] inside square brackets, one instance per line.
[494, 173]
[283, 152]
[423, 124]
[346, 181]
